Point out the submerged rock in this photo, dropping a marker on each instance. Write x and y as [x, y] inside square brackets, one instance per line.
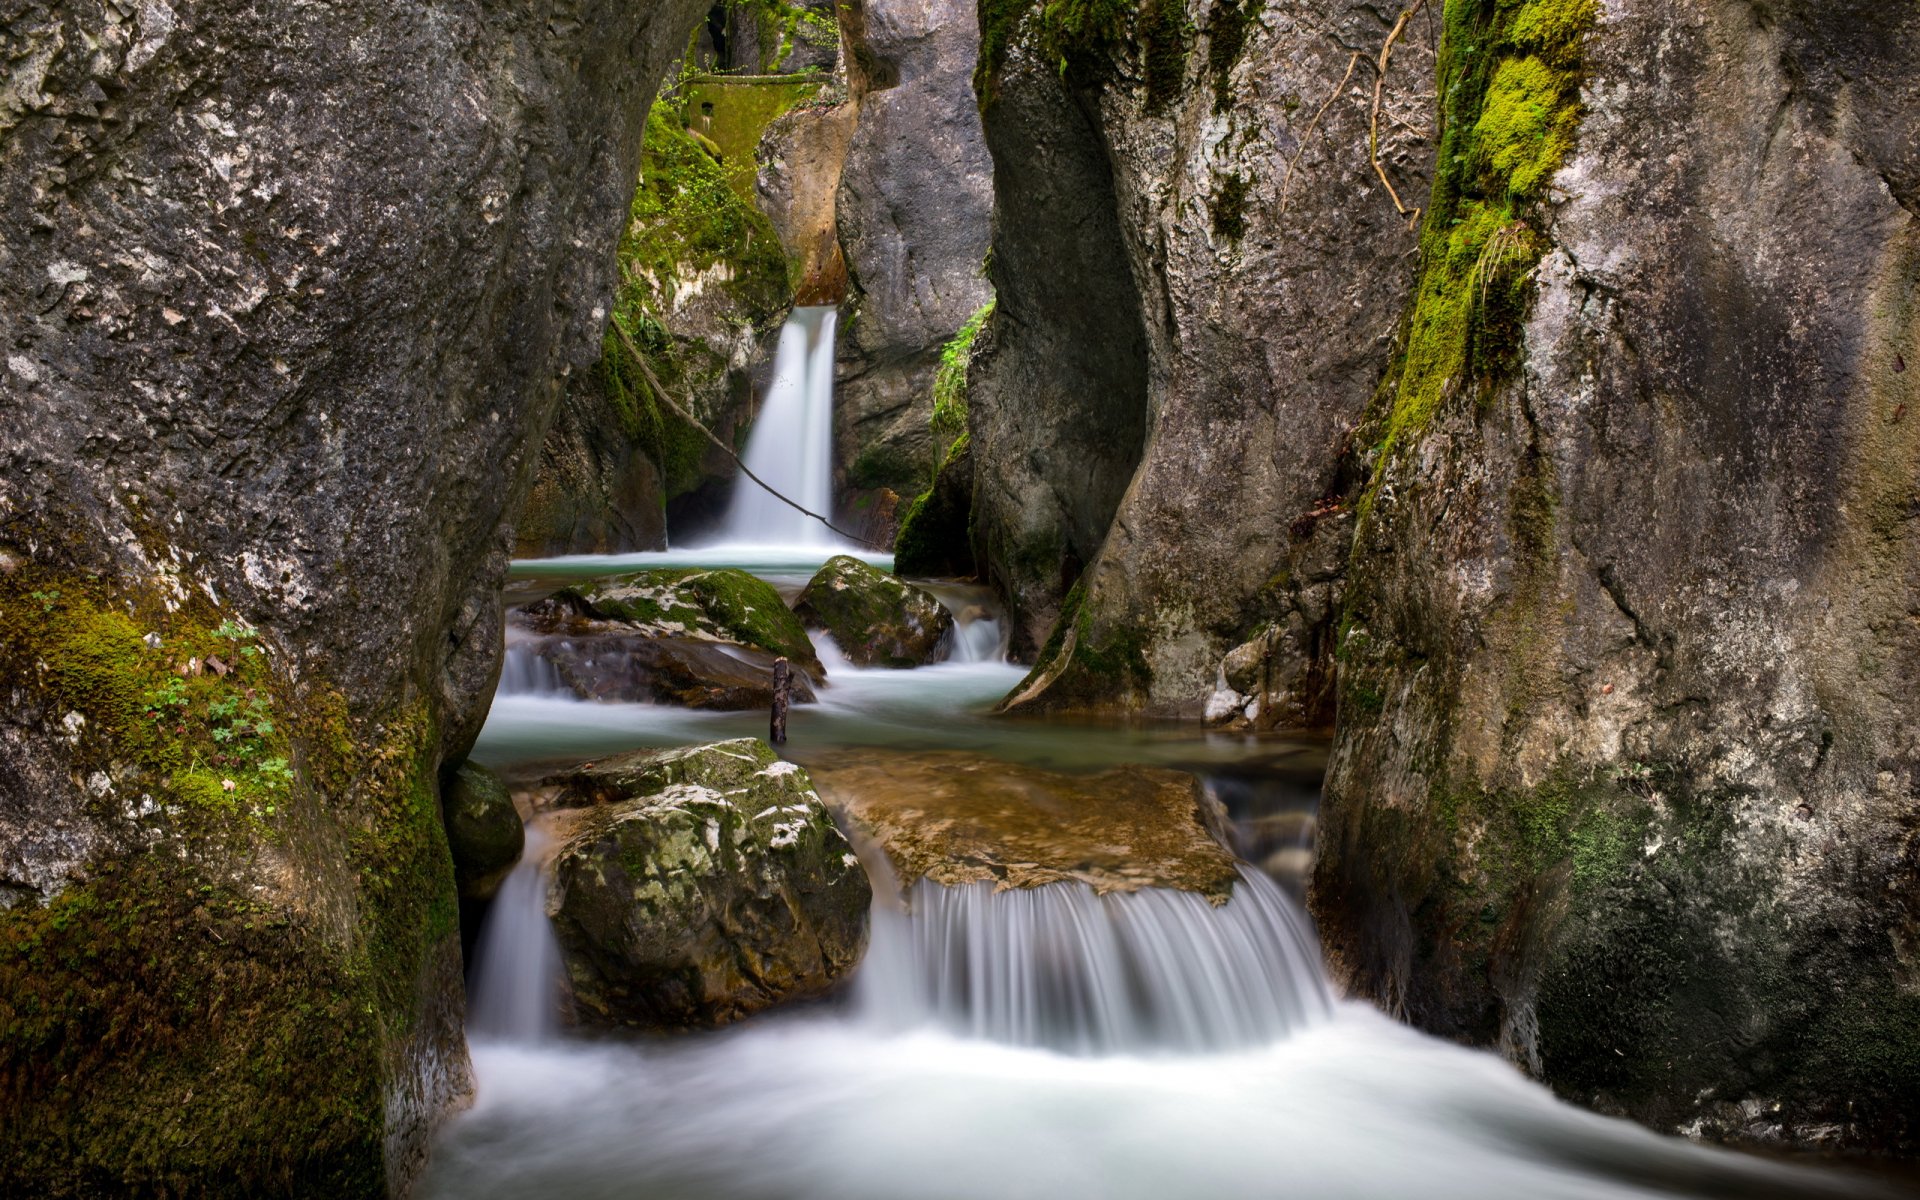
[958, 818]
[484, 832]
[698, 885]
[875, 619]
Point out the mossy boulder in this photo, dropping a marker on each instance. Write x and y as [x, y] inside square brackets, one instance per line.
[668, 670]
[875, 619]
[699, 885]
[724, 605]
[484, 831]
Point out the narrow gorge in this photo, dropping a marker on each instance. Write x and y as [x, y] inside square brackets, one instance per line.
[1336, 584]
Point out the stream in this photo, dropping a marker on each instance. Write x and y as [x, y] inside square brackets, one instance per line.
[1028, 1043]
[1264, 1084]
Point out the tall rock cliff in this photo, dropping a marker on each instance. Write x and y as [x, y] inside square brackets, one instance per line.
[1625, 774]
[290, 294]
[913, 211]
[1200, 266]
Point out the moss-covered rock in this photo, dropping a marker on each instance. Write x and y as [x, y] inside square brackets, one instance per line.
[934, 535]
[875, 619]
[484, 832]
[222, 952]
[724, 605]
[700, 885]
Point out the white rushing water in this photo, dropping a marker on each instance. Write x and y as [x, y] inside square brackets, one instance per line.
[1062, 968]
[514, 994]
[791, 446]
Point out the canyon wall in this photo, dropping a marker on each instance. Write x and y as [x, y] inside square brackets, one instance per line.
[1200, 270]
[1624, 777]
[290, 295]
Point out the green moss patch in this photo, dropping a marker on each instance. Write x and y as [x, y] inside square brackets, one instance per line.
[215, 1003]
[1510, 107]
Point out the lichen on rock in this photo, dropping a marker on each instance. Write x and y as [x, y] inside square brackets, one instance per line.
[699, 885]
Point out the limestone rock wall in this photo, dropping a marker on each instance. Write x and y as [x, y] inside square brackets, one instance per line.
[915, 199]
[290, 293]
[1156, 439]
[1625, 772]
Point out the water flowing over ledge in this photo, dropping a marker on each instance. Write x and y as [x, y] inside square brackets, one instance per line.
[1063, 968]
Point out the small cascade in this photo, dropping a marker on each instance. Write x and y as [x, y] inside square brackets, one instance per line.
[1061, 967]
[524, 673]
[514, 995]
[791, 446]
[977, 641]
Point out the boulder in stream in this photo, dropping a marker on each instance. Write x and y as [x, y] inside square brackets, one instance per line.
[702, 639]
[698, 885]
[958, 818]
[875, 619]
[484, 832]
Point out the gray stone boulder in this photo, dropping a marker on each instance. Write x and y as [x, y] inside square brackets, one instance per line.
[484, 831]
[702, 639]
[875, 619]
[696, 886]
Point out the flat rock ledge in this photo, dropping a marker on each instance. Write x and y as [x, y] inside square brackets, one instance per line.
[959, 818]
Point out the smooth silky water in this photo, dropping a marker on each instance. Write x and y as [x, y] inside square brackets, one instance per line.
[1048, 1043]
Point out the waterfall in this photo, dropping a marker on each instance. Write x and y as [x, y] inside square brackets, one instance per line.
[791, 446]
[516, 980]
[524, 673]
[1061, 967]
[977, 641]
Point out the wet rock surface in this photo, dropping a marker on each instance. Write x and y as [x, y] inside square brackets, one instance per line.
[667, 670]
[1624, 774]
[875, 619]
[959, 818]
[699, 885]
[290, 293]
[484, 832]
[1200, 277]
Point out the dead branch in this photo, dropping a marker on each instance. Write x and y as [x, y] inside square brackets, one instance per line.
[1286, 184]
[1373, 119]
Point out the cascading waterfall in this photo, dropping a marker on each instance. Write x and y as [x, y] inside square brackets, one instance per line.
[524, 673]
[516, 979]
[1063, 968]
[978, 640]
[791, 446]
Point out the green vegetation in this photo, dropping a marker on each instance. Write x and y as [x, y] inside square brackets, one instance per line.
[1510, 85]
[933, 533]
[1226, 37]
[781, 26]
[688, 220]
[1081, 38]
[215, 1000]
[1228, 206]
[949, 421]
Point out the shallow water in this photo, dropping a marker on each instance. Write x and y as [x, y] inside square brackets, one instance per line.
[972, 1056]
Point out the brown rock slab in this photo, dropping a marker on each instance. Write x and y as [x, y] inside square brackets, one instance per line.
[958, 818]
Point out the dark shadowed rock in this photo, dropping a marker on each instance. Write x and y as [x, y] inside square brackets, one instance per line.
[875, 619]
[290, 294]
[700, 885]
[484, 832]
